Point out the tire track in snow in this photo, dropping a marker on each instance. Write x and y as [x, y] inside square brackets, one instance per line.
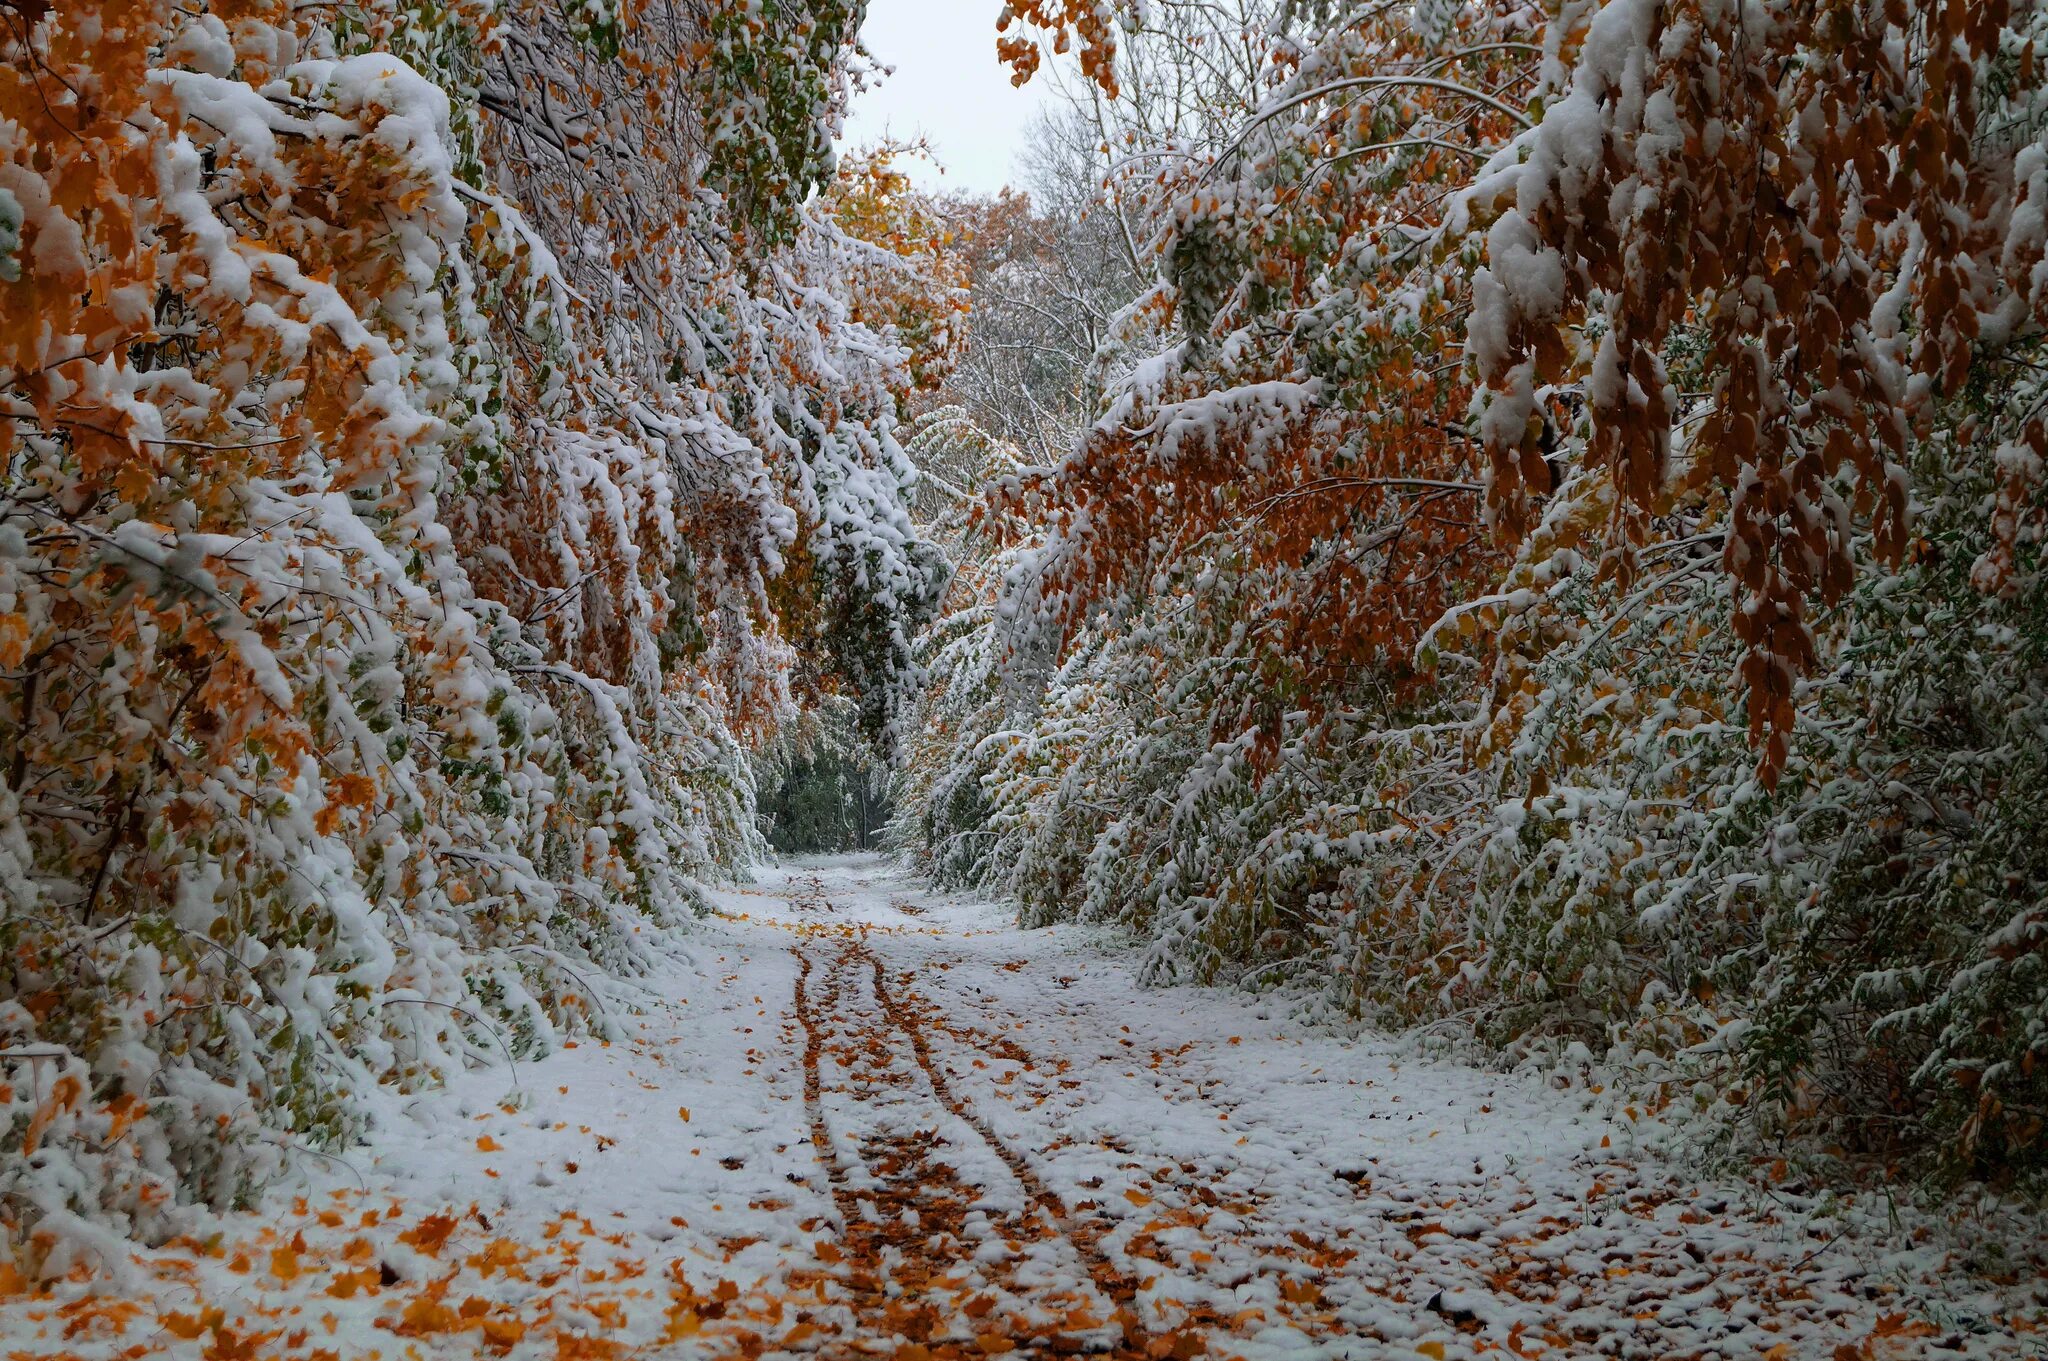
[814, 1107]
[931, 1203]
[1086, 1232]
[1084, 1238]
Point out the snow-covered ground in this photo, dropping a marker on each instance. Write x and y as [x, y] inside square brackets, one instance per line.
[864, 1119]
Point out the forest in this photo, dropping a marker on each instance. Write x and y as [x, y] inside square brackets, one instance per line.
[1514, 527]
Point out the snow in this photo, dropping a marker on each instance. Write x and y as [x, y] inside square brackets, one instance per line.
[1023, 1146]
[1532, 275]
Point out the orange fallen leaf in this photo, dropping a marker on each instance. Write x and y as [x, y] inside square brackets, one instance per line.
[430, 1233]
[486, 1144]
[228, 1345]
[503, 1332]
[1900, 1325]
[1137, 1198]
[428, 1315]
[349, 1283]
[1300, 1292]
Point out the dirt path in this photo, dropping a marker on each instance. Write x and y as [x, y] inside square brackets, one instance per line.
[857, 1119]
[1144, 1191]
[905, 1237]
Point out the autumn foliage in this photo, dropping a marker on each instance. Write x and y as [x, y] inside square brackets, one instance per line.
[1557, 546]
[408, 414]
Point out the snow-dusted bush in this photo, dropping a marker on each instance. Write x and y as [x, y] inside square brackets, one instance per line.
[1571, 566]
[408, 415]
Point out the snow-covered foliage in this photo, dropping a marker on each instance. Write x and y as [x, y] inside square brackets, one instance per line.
[414, 415]
[1571, 562]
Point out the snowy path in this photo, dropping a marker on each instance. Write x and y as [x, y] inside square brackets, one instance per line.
[889, 1124]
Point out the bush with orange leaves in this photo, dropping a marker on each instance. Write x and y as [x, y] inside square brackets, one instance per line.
[405, 419]
[1573, 563]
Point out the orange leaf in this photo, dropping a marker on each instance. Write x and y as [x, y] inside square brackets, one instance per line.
[348, 1283]
[428, 1315]
[429, 1234]
[13, 639]
[1300, 1292]
[503, 1332]
[64, 1094]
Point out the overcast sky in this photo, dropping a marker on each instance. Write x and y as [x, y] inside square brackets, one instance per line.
[948, 88]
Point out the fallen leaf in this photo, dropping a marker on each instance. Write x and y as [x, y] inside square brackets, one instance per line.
[503, 1332]
[430, 1233]
[185, 1326]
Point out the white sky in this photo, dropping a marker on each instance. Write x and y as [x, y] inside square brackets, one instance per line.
[949, 89]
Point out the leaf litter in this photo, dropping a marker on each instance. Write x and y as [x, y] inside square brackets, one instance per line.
[845, 1128]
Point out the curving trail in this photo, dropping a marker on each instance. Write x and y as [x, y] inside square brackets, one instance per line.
[902, 1240]
[863, 1120]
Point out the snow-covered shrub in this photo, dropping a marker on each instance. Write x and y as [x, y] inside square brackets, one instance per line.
[1570, 566]
[395, 475]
